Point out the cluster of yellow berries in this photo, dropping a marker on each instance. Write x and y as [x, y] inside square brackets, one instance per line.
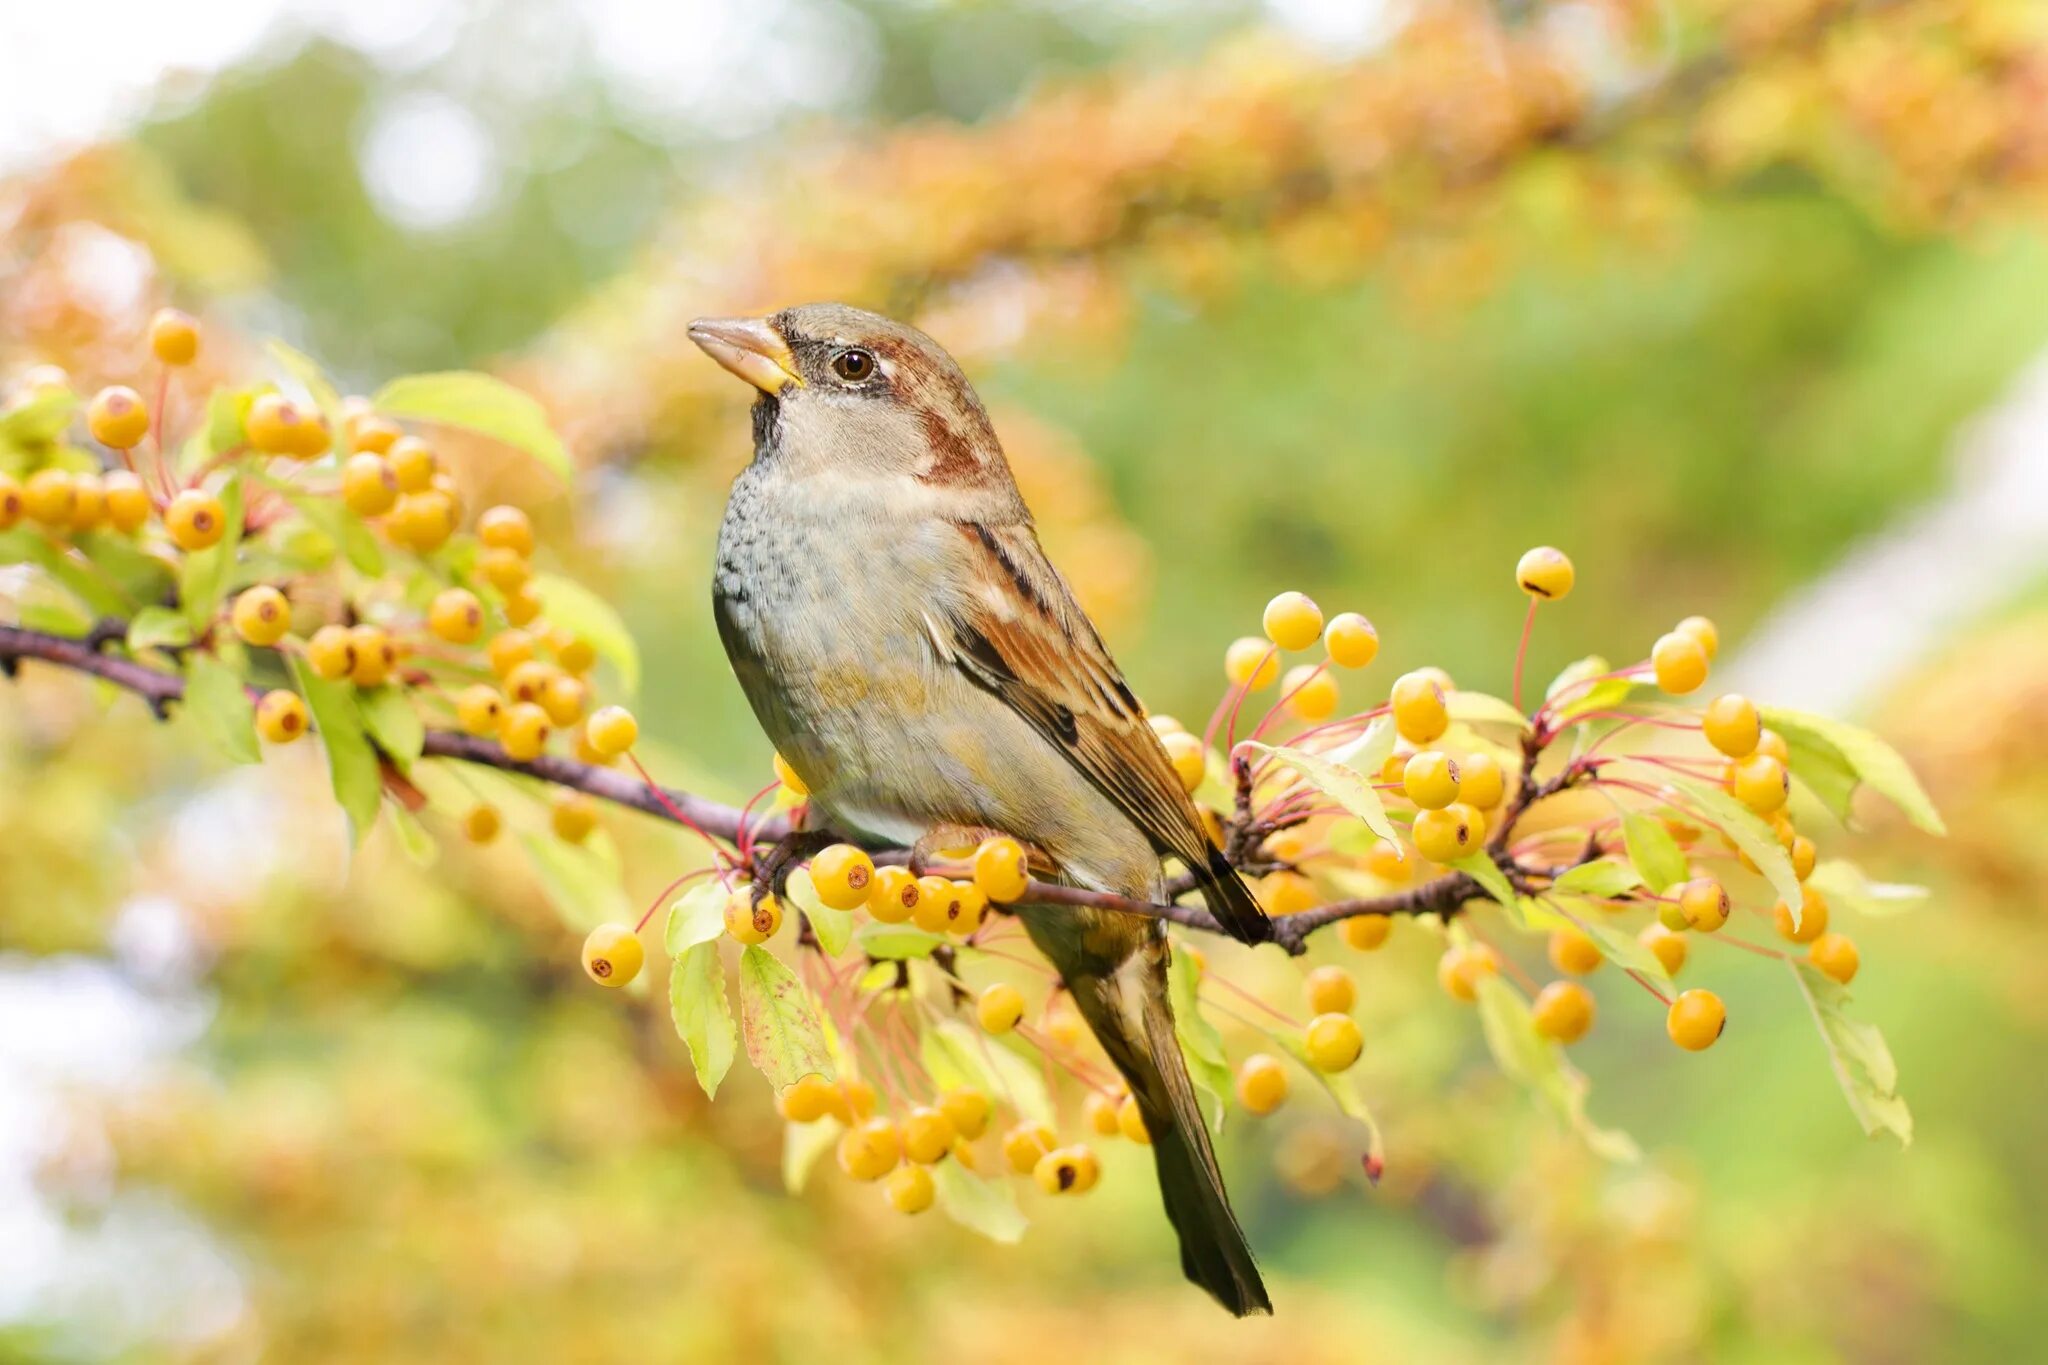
[1293, 622]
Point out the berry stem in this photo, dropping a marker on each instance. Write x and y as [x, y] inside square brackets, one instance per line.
[1522, 649]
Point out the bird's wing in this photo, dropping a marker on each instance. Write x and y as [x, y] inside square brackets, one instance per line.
[1018, 633]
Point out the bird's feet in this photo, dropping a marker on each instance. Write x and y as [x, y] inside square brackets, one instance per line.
[771, 870]
[957, 843]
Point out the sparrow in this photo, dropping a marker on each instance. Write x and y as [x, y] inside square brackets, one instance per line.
[913, 655]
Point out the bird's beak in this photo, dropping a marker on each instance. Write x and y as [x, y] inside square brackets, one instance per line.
[751, 349]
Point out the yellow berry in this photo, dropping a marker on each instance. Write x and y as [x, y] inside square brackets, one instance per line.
[117, 418]
[1001, 869]
[478, 709]
[49, 497]
[1026, 1145]
[1070, 1170]
[1813, 918]
[572, 816]
[1367, 932]
[505, 570]
[262, 616]
[128, 504]
[946, 906]
[1100, 1111]
[1481, 781]
[174, 336]
[507, 650]
[281, 716]
[1771, 744]
[1679, 662]
[482, 824]
[376, 656]
[1130, 1121]
[1732, 725]
[1189, 758]
[1390, 862]
[870, 1150]
[1563, 1011]
[612, 731]
[1695, 1020]
[842, 875]
[332, 652]
[749, 921]
[1420, 713]
[788, 777]
[1064, 1027]
[422, 521]
[927, 1135]
[1669, 947]
[1000, 1008]
[1286, 893]
[1835, 955]
[1333, 1041]
[893, 896]
[522, 605]
[505, 528]
[1573, 950]
[523, 730]
[1545, 572]
[1311, 692]
[456, 616]
[278, 426]
[1261, 1083]
[1431, 780]
[808, 1099]
[368, 486]
[572, 652]
[195, 520]
[88, 501]
[564, 698]
[612, 954]
[1293, 621]
[1251, 663]
[11, 507]
[413, 461]
[1702, 630]
[370, 434]
[1442, 836]
[1761, 783]
[910, 1189]
[1331, 989]
[1704, 904]
[1804, 855]
[969, 1111]
[1460, 970]
[1350, 640]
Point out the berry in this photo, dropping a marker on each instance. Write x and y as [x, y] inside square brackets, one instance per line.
[505, 570]
[1367, 932]
[1442, 836]
[1190, 759]
[1669, 947]
[870, 1150]
[370, 434]
[1311, 692]
[1293, 621]
[1679, 662]
[1261, 1083]
[1286, 893]
[788, 777]
[842, 875]
[368, 486]
[1703, 903]
[128, 504]
[945, 906]
[564, 698]
[1130, 1121]
[1459, 970]
[1420, 715]
[1804, 855]
[1350, 640]
[1573, 950]
[1695, 1020]
[1835, 955]
[1431, 780]
[1331, 989]
[1481, 781]
[969, 1111]
[412, 460]
[523, 730]
[1251, 663]
[1732, 725]
[572, 816]
[612, 731]
[478, 708]
[1772, 745]
[11, 506]
[456, 616]
[1100, 1111]
[572, 652]
[117, 418]
[1761, 783]
[808, 1099]
[1064, 1027]
[893, 895]
[927, 1135]
[482, 824]
[1026, 1145]
[507, 650]
[195, 520]
[1070, 1170]
[174, 337]
[49, 497]
[1390, 863]
[1000, 1008]
[376, 656]
[1704, 631]
[505, 528]
[1545, 572]
[1563, 1011]
[262, 615]
[749, 921]
[1333, 1041]
[89, 501]
[332, 652]
[612, 954]
[277, 426]
[281, 716]
[522, 606]
[910, 1189]
[422, 521]
[1001, 869]
[1813, 918]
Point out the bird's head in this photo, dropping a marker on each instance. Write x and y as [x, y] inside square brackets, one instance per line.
[849, 393]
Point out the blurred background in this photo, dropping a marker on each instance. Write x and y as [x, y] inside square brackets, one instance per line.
[1738, 301]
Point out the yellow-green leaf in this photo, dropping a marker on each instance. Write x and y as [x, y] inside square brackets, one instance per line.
[1752, 836]
[988, 1207]
[218, 707]
[351, 762]
[778, 1023]
[698, 916]
[955, 1056]
[1864, 754]
[1343, 774]
[703, 1016]
[1862, 1063]
[834, 928]
[1654, 852]
[580, 611]
[479, 403]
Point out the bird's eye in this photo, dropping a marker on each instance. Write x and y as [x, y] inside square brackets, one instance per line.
[853, 365]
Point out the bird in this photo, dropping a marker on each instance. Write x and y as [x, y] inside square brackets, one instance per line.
[913, 655]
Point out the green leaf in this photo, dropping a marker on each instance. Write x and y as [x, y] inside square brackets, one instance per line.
[203, 578]
[702, 1014]
[1863, 1064]
[896, 940]
[582, 883]
[1334, 776]
[479, 403]
[46, 607]
[698, 916]
[156, 628]
[1825, 773]
[135, 575]
[802, 1145]
[218, 707]
[1844, 883]
[1478, 708]
[1621, 948]
[1200, 1043]
[1655, 854]
[393, 723]
[955, 1056]
[988, 1207]
[581, 612]
[37, 421]
[1752, 836]
[302, 368]
[778, 1023]
[351, 763]
[1526, 1056]
[419, 845]
[1481, 868]
[834, 928]
[67, 568]
[1864, 754]
[1575, 672]
[1603, 878]
[331, 517]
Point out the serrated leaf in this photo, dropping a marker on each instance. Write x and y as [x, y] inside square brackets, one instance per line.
[217, 707]
[778, 1023]
[581, 612]
[157, 628]
[351, 763]
[954, 1056]
[1526, 1056]
[203, 577]
[1862, 1062]
[1844, 883]
[698, 916]
[1481, 868]
[833, 928]
[1864, 754]
[1752, 836]
[702, 1014]
[896, 941]
[1479, 708]
[1655, 854]
[1603, 879]
[388, 714]
[309, 376]
[988, 1207]
[802, 1145]
[1824, 773]
[1200, 1043]
[1336, 779]
[581, 883]
[482, 404]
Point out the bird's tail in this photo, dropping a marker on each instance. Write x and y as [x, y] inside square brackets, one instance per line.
[1132, 1017]
[1231, 901]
